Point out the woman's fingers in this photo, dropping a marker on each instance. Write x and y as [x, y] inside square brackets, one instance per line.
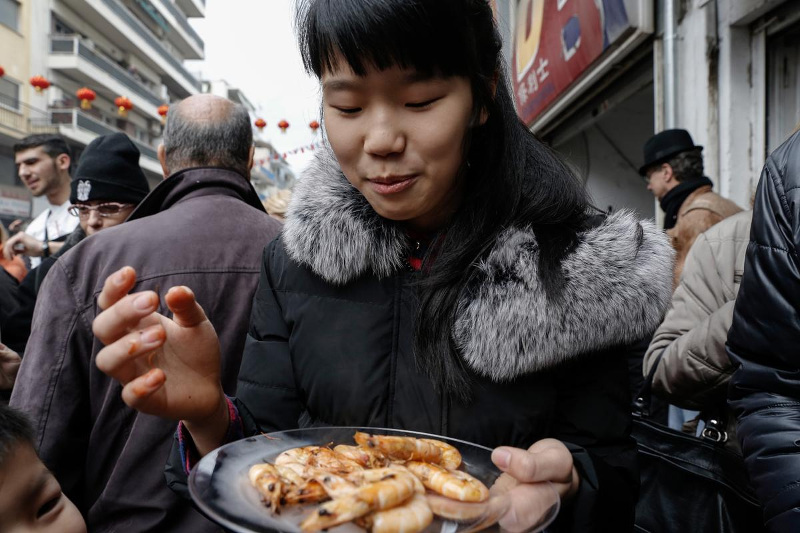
[529, 505]
[546, 464]
[119, 359]
[116, 286]
[124, 316]
[186, 311]
[141, 389]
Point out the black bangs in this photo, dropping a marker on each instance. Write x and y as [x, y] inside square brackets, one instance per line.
[427, 35]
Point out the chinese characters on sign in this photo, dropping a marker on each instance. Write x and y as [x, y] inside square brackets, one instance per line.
[555, 42]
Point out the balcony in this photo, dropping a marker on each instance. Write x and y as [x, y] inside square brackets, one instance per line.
[75, 57]
[82, 128]
[183, 35]
[193, 8]
[130, 34]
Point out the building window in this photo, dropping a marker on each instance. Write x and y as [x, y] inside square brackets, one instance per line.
[9, 14]
[783, 86]
[9, 93]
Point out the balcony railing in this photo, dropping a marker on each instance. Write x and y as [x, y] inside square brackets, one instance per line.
[73, 44]
[181, 18]
[76, 118]
[145, 34]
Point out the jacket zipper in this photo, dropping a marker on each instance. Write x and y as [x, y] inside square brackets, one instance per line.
[398, 284]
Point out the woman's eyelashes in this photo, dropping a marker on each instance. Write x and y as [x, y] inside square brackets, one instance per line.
[347, 110]
[423, 104]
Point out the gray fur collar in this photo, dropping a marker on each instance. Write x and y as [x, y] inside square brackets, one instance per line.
[619, 278]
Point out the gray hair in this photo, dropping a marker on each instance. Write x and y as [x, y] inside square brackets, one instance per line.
[687, 166]
[217, 142]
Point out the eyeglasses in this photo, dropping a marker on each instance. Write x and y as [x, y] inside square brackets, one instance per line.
[110, 209]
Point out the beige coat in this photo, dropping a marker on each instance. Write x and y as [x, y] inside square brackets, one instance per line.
[694, 369]
[701, 210]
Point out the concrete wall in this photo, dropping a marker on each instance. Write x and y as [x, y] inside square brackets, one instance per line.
[607, 153]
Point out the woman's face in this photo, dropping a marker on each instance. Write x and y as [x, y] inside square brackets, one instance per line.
[399, 137]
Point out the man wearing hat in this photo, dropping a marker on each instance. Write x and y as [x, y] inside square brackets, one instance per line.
[106, 187]
[673, 169]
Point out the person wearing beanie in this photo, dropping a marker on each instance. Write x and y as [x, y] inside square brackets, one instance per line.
[108, 183]
[106, 187]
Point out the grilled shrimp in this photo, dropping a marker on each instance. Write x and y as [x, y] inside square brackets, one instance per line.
[366, 457]
[266, 479]
[318, 457]
[390, 490]
[401, 448]
[451, 483]
[451, 457]
[309, 492]
[411, 517]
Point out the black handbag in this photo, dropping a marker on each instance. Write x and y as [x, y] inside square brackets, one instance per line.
[689, 484]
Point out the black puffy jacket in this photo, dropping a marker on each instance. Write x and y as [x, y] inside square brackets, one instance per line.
[331, 331]
[764, 340]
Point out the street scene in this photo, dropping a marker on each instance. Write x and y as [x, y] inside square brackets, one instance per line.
[400, 265]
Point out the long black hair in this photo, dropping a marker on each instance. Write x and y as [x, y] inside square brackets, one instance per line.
[509, 177]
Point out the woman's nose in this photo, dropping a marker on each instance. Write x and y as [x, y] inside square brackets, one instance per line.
[384, 137]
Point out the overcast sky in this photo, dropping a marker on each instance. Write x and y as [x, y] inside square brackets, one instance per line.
[251, 45]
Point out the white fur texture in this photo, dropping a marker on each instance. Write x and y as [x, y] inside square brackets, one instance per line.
[618, 280]
[618, 286]
[332, 229]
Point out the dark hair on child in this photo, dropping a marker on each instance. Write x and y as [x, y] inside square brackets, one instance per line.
[509, 177]
[14, 429]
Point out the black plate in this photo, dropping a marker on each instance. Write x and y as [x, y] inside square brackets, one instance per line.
[220, 487]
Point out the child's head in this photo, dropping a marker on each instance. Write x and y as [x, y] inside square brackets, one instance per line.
[30, 497]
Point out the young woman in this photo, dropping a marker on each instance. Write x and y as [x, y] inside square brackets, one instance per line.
[440, 270]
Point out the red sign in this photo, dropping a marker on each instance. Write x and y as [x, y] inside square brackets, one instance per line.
[554, 42]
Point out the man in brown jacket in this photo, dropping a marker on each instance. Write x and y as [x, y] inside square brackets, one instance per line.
[204, 227]
[673, 169]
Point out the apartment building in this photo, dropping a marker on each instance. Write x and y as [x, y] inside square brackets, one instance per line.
[118, 48]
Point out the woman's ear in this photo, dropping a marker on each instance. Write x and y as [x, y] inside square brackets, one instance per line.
[485, 112]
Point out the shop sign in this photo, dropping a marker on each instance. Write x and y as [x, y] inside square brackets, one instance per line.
[14, 202]
[554, 42]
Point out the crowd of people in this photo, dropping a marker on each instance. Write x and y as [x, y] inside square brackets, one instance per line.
[437, 268]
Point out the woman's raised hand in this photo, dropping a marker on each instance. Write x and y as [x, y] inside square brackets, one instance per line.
[168, 367]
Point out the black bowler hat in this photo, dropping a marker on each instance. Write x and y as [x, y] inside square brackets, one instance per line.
[109, 170]
[664, 145]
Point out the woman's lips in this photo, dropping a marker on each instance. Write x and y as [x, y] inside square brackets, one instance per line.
[391, 184]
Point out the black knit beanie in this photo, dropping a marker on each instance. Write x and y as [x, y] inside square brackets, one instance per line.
[109, 170]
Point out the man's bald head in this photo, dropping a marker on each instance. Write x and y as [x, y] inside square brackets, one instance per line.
[207, 131]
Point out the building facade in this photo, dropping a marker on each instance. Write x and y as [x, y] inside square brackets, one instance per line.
[596, 78]
[132, 49]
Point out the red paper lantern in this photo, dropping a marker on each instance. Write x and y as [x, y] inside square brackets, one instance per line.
[283, 125]
[40, 83]
[2, 72]
[314, 125]
[123, 104]
[86, 96]
[260, 124]
[163, 109]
